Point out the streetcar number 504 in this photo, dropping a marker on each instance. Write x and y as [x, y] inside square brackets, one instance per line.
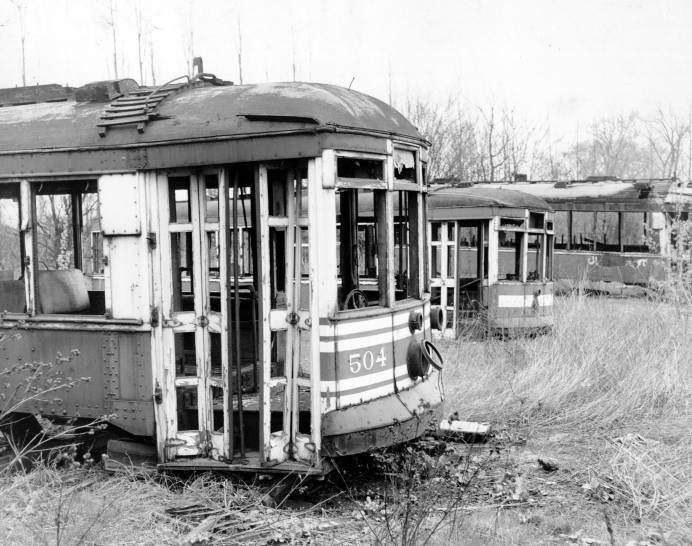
[366, 360]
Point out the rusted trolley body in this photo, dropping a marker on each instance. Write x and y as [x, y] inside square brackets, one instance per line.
[491, 259]
[612, 236]
[200, 246]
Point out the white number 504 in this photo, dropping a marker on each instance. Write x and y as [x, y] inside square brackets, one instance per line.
[366, 360]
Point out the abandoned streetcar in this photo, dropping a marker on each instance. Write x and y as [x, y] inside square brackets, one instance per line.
[201, 252]
[491, 260]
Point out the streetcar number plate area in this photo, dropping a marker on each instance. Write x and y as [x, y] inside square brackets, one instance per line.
[366, 361]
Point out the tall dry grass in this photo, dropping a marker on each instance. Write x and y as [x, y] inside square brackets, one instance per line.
[607, 362]
[615, 378]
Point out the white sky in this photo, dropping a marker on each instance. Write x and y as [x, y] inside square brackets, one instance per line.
[561, 62]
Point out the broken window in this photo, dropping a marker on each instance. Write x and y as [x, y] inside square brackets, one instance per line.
[68, 244]
[405, 165]
[361, 248]
[509, 266]
[11, 282]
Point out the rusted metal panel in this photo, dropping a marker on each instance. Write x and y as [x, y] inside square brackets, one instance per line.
[629, 268]
[116, 363]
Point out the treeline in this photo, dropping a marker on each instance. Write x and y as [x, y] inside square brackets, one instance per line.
[489, 143]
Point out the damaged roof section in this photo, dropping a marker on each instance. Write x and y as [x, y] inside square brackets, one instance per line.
[605, 193]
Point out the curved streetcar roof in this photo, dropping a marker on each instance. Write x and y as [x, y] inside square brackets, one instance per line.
[443, 201]
[317, 116]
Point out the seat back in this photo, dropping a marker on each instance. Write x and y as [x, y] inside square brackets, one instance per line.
[62, 291]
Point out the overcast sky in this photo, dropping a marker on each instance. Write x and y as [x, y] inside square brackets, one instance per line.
[564, 62]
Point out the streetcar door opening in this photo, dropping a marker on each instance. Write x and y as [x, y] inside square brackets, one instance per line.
[286, 397]
[210, 333]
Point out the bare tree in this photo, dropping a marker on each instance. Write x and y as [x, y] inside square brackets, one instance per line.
[493, 144]
[666, 135]
[433, 123]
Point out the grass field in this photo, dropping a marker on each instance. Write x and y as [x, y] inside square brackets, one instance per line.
[606, 398]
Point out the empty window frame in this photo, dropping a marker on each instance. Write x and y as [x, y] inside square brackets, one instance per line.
[534, 261]
[12, 293]
[359, 168]
[509, 251]
[606, 234]
[405, 221]
[361, 248]
[633, 228]
[583, 230]
[68, 244]
[561, 229]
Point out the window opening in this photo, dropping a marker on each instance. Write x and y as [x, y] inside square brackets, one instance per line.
[11, 257]
[509, 266]
[405, 244]
[361, 248]
[511, 222]
[583, 230]
[606, 234]
[70, 278]
[179, 199]
[534, 262]
[634, 232]
[561, 229]
[405, 165]
[350, 167]
[182, 298]
[536, 220]
[471, 267]
[549, 257]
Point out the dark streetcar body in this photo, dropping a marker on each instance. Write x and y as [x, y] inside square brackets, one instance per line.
[612, 236]
[199, 255]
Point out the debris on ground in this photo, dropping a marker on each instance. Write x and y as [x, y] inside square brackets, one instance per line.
[548, 465]
[469, 431]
